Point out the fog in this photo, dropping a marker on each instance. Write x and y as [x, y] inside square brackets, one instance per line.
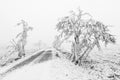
[43, 15]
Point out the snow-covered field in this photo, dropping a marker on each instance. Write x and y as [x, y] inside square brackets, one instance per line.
[104, 68]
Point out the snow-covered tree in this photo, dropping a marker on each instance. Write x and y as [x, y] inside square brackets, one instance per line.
[86, 33]
[22, 37]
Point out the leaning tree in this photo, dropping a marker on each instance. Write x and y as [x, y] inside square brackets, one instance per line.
[86, 33]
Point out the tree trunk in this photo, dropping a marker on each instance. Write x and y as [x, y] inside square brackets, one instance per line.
[92, 46]
[21, 50]
[86, 53]
[75, 49]
[81, 57]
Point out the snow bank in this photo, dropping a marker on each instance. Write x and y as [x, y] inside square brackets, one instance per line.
[35, 72]
[56, 69]
[4, 69]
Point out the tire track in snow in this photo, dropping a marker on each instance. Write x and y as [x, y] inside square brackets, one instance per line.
[45, 57]
[25, 62]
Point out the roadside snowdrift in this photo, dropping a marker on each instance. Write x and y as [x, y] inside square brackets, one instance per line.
[36, 72]
[56, 69]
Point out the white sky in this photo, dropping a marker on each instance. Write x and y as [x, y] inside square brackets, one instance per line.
[43, 16]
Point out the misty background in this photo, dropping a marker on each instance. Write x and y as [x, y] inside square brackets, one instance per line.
[43, 15]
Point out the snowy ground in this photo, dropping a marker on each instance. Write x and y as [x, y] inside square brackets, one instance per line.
[104, 68]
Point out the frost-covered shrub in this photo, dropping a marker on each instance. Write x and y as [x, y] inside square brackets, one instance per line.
[86, 33]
